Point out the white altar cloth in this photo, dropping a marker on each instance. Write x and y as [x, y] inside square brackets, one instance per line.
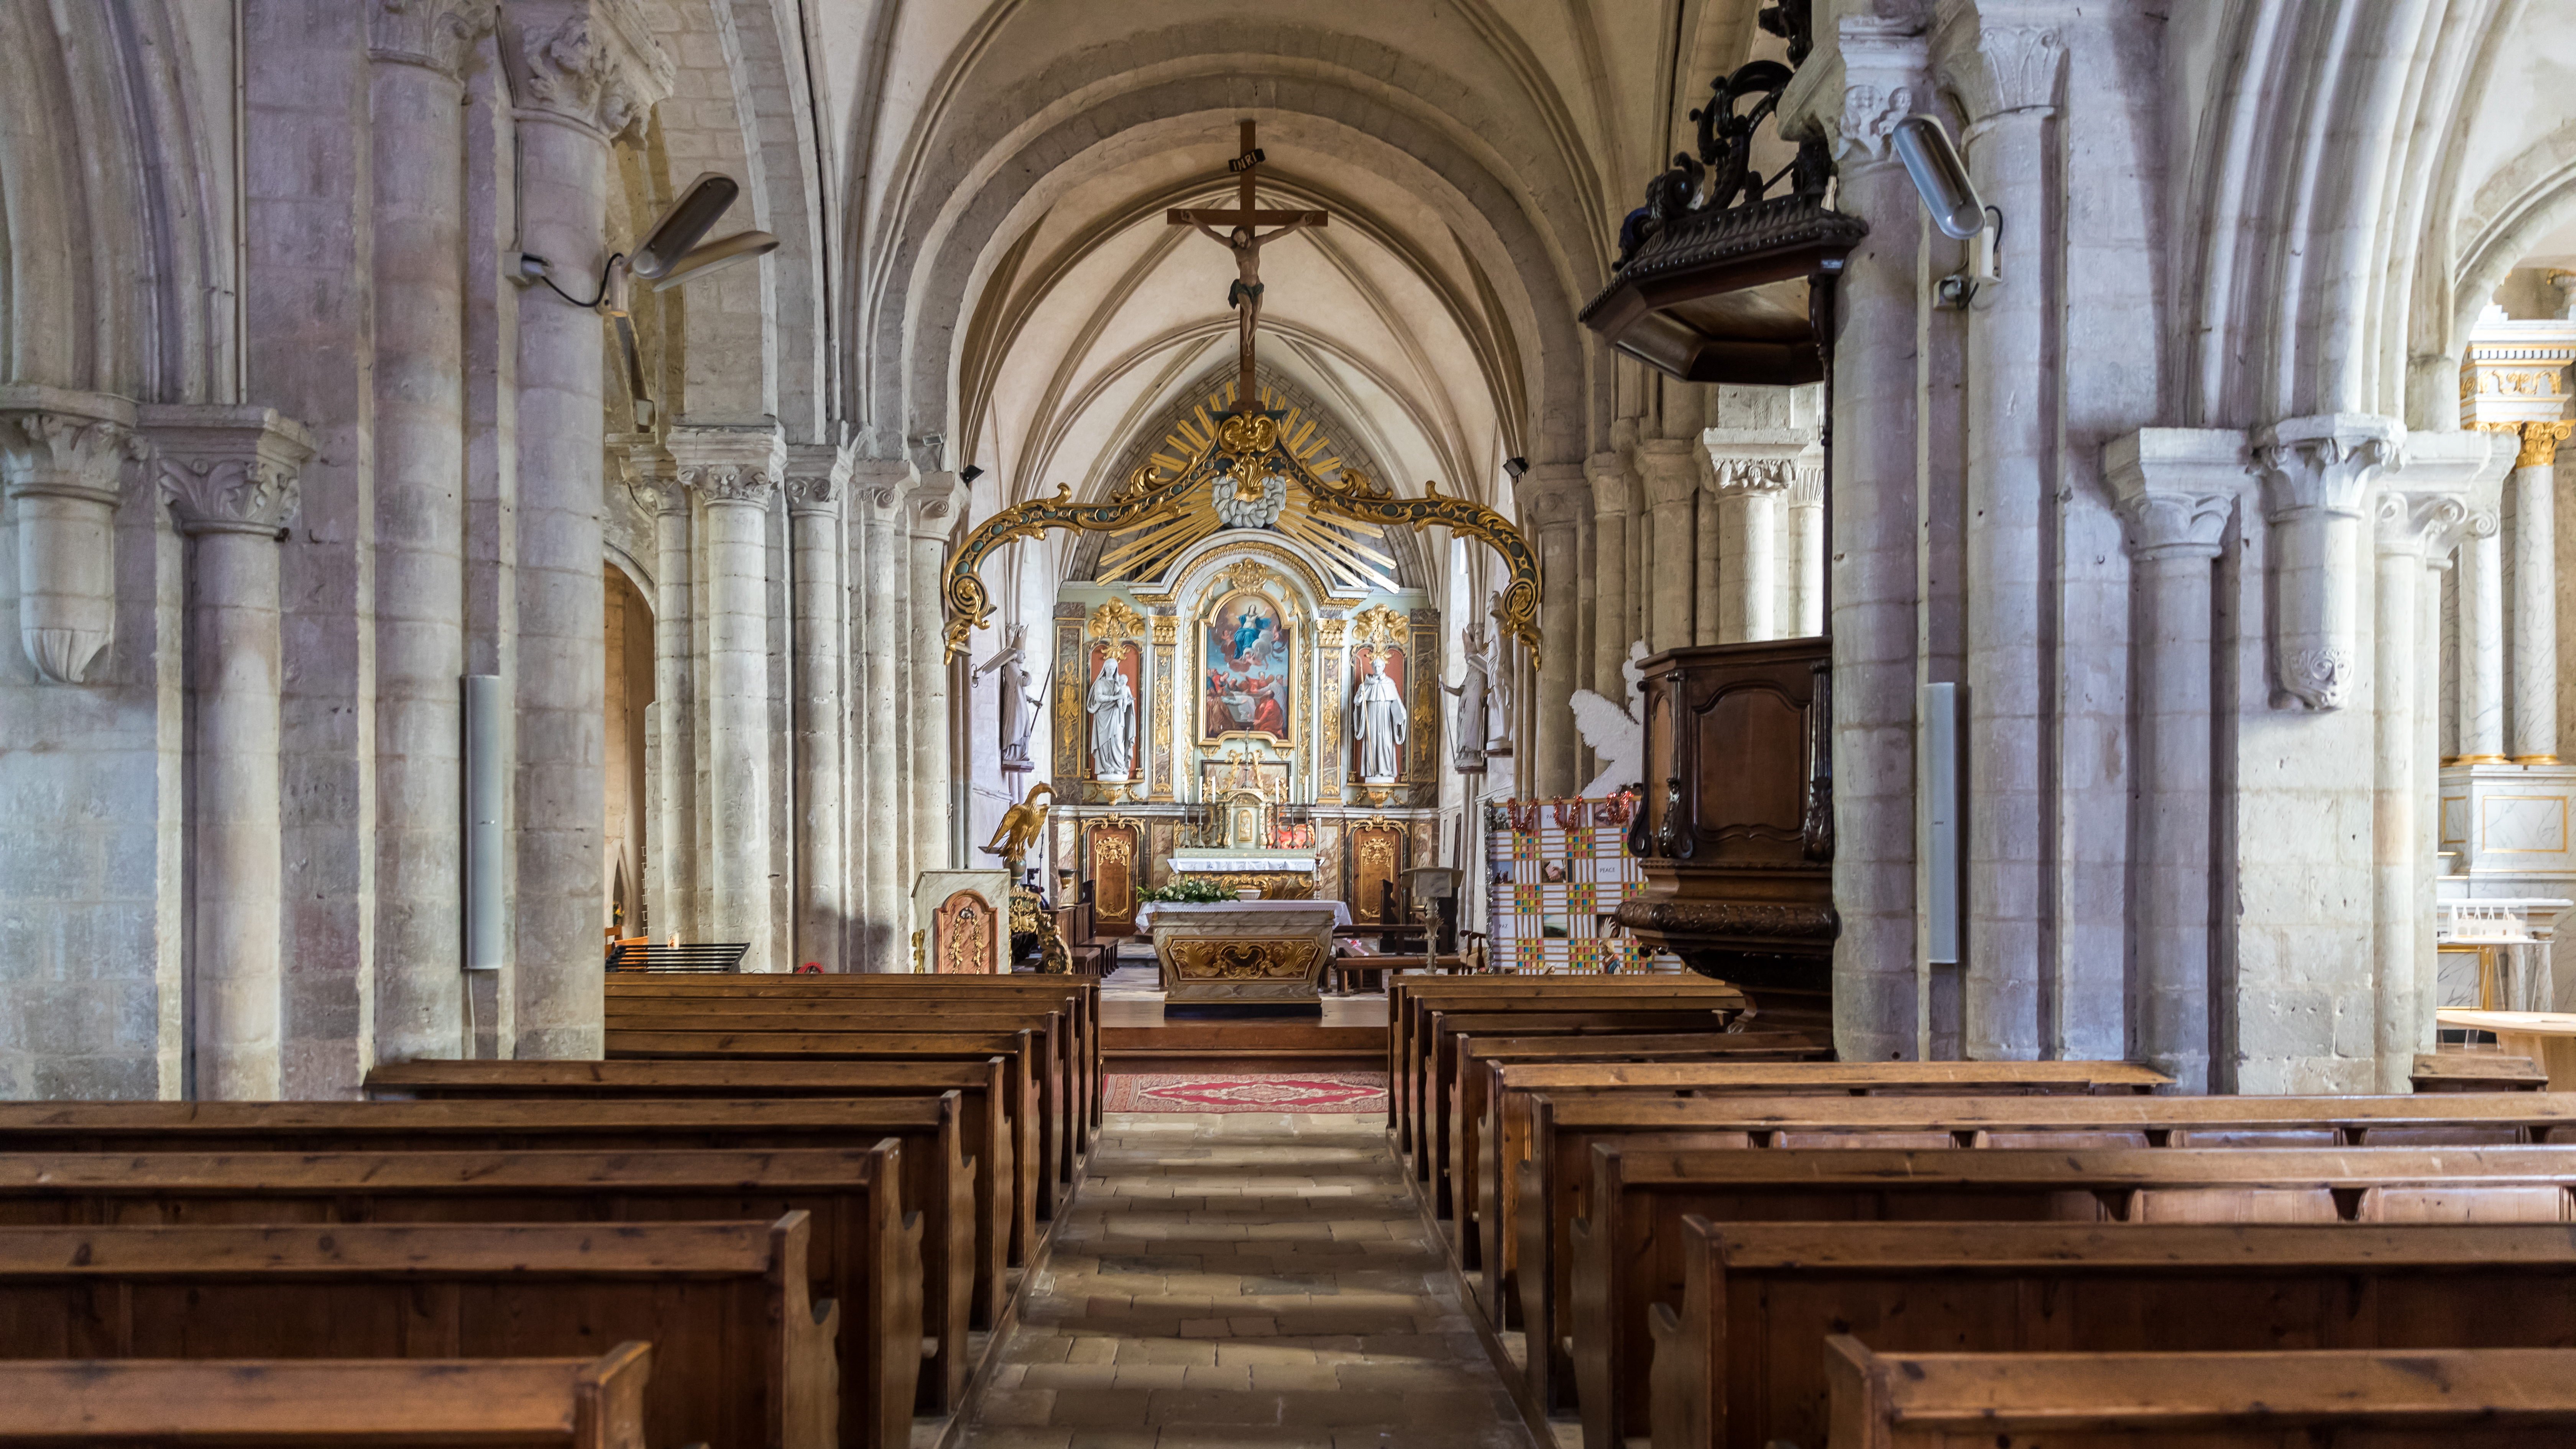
[1213, 864]
[1145, 913]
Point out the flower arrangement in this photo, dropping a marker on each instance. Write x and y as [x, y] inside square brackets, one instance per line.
[1187, 890]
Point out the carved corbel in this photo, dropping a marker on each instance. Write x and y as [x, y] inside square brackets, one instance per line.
[2317, 472]
[60, 454]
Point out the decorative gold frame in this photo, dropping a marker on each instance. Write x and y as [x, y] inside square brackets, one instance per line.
[1291, 622]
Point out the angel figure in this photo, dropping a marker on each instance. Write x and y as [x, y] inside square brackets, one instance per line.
[1616, 734]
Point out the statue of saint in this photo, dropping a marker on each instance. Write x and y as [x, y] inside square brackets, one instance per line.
[1378, 725]
[1113, 712]
[1475, 697]
[1017, 703]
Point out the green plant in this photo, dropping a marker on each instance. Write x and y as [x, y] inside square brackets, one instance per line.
[1186, 890]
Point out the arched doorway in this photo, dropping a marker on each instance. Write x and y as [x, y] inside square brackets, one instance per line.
[629, 642]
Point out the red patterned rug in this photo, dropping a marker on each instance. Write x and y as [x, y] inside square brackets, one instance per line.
[1249, 1092]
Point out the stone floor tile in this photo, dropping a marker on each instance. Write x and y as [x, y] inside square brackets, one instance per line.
[1110, 1407]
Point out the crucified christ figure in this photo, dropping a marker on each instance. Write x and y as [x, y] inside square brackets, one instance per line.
[1242, 237]
[1245, 295]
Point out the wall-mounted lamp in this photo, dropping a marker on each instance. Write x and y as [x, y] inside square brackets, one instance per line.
[969, 473]
[1516, 467]
[1941, 179]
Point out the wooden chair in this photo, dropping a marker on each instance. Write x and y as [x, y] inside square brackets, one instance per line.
[515, 1403]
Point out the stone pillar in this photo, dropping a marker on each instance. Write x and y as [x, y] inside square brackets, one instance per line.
[2176, 489]
[230, 476]
[672, 836]
[1804, 570]
[1670, 478]
[930, 515]
[879, 495]
[581, 80]
[1752, 469]
[2535, 594]
[1552, 498]
[2006, 75]
[2482, 640]
[419, 53]
[1614, 628]
[817, 478]
[60, 452]
[735, 474]
[1707, 588]
[1873, 544]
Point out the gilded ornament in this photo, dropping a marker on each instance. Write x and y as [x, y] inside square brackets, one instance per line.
[1115, 620]
[1378, 625]
[1244, 574]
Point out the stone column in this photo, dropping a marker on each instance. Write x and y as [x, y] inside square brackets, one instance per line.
[930, 515]
[817, 479]
[419, 53]
[60, 452]
[1873, 543]
[2535, 594]
[230, 476]
[1552, 498]
[879, 496]
[1752, 470]
[1706, 587]
[2176, 489]
[735, 473]
[1670, 478]
[1804, 571]
[673, 834]
[581, 79]
[2006, 75]
[1614, 629]
[2482, 640]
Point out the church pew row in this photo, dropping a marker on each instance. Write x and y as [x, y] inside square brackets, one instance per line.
[1455, 1111]
[995, 1123]
[2493, 1398]
[1409, 999]
[864, 1255]
[1064, 1085]
[1036, 1091]
[1079, 999]
[1528, 1237]
[514, 1403]
[1084, 996]
[1736, 1361]
[961, 1268]
[1628, 1251]
[745, 1356]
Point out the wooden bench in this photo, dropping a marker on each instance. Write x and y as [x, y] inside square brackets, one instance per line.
[1027, 1077]
[515, 1403]
[1409, 998]
[2489, 1398]
[1736, 1361]
[746, 1356]
[992, 1123]
[1060, 1075]
[1085, 996]
[1627, 1252]
[864, 1256]
[2475, 1072]
[962, 1282]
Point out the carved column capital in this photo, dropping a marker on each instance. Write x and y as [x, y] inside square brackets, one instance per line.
[1874, 74]
[60, 444]
[60, 455]
[818, 477]
[1553, 495]
[2317, 472]
[729, 465]
[590, 63]
[2443, 488]
[1757, 460]
[2001, 58]
[1667, 472]
[932, 506]
[1614, 491]
[227, 469]
[2175, 488]
[436, 35]
[2539, 441]
[2324, 463]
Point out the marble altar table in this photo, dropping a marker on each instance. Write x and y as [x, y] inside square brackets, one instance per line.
[1242, 952]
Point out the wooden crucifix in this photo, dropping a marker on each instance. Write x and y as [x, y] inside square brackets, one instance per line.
[1245, 239]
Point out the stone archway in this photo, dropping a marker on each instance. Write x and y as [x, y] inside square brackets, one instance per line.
[628, 645]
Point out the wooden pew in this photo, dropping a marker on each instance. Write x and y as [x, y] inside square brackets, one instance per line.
[1468, 1043]
[1084, 996]
[1735, 1361]
[1061, 1080]
[1027, 1077]
[1527, 1237]
[1627, 1252]
[1408, 997]
[960, 1254]
[865, 1256]
[513, 1403]
[746, 1357]
[2476, 1398]
[995, 1125]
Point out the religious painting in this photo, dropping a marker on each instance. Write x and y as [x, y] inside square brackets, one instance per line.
[1362, 658]
[1125, 658]
[1245, 661]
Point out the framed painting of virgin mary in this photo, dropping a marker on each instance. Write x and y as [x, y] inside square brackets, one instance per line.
[1246, 684]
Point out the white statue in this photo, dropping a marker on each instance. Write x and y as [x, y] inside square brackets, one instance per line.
[1617, 736]
[1019, 707]
[1113, 712]
[1498, 688]
[1475, 693]
[1378, 724]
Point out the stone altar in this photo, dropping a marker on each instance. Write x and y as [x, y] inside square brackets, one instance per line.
[1243, 952]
